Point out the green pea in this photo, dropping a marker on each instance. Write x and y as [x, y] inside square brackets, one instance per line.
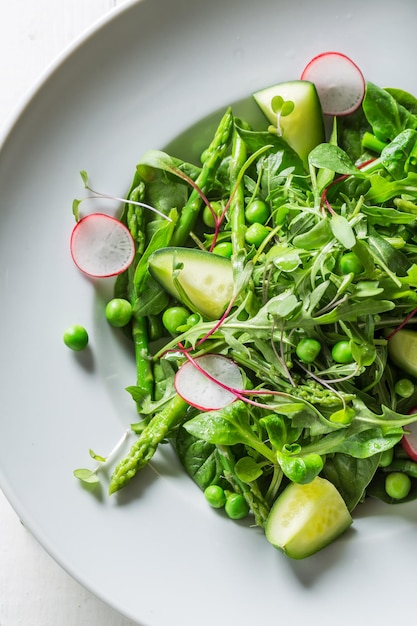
[193, 319]
[350, 264]
[118, 312]
[397, 485]
[386, 458]
[224, 248]
[173, 317]
[308, 349]
[404, 388]
[236, 506]
[208, 217]
[255, 234]
[341, 352]
[215, 496]
[76, 337]
[257, 211]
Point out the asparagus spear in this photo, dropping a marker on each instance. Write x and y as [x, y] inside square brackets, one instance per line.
[250, 492]
[237, 204]
[214, 156]
[145, 446]
[135, 223]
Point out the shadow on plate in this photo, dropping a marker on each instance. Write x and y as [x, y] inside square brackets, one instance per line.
[308, 571]
[404, 511]
[85, 360]
[135, 489]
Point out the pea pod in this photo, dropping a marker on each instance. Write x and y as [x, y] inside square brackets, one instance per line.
[403, 465]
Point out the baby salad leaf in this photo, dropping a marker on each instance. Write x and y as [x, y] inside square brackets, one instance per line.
[301, 469]
[227, 427]
[279, 307]
[331, 157]
[247, 469]
[343, 231]
[87, 476]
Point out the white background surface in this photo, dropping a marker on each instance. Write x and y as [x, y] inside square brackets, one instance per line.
[34, 590]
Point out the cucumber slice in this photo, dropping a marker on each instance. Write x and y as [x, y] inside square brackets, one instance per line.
[303, 128]
[201, 280]
[306, 518]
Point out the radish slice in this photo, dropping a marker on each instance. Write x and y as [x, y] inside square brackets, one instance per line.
[339, 82]
[409, 439]
[211, 391]
[101, 246]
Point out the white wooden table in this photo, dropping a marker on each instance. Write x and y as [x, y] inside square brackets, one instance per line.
[34, 590]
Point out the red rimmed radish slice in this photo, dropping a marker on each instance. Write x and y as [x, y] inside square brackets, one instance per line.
[201, 390]
[101, 246]
[339, 82]
[409, 439]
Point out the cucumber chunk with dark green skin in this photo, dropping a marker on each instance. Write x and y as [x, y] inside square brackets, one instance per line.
[307, 517]
[303, 128]
[402, 350]
[200, 280]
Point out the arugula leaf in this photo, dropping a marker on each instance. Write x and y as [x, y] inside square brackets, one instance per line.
[386, 116]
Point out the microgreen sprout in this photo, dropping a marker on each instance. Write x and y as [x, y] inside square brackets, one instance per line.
[90, 476]
[282, 108]
[98, 195]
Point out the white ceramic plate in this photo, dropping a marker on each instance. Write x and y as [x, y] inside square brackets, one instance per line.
[157, 553]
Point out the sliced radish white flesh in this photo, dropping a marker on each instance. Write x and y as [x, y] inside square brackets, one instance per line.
[101, 246]
[339, 82]
[409, 439]
[202, 392]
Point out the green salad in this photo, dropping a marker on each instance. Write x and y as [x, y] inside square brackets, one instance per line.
[270, 303]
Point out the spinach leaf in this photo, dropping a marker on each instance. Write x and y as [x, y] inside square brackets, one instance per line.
[331, 157]
[350, 475]
[407, 100]
[395, 157]
[199, 458]
[386, 116]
